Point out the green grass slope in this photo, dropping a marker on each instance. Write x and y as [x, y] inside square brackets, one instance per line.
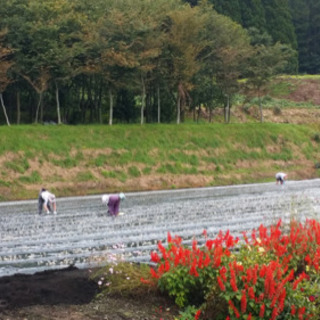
[81, 160]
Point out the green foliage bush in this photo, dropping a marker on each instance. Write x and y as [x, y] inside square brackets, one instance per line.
[272, 273]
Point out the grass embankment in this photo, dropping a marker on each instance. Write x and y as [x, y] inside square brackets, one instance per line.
[79, 160]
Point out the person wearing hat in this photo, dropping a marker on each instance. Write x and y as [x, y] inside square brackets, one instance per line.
[113, 202]
[281, 177]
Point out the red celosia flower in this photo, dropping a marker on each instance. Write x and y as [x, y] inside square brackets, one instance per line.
[207, 260]
[197, 315]
[298, 280]
[193, 271]
[251, 293]
[167, 266]
[233, 282]
[274, 314]
[301, 312]
[293, 310]
[194, 245]
[221, 284]
[209, 244]
[222, 272]
[154, 257]
[243, 301]
[235, 310]
[153, 273]
[262, 310]
[312, 298]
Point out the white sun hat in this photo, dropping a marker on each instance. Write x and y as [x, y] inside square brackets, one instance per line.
[105, 198]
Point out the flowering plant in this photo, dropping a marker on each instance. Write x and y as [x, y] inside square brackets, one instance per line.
[271, 275]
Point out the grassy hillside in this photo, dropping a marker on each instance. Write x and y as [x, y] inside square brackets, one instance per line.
[82, 160]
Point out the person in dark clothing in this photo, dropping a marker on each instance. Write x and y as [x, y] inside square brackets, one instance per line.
[46, 199]
[281, 177]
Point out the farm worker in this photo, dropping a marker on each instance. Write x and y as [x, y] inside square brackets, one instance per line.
[281, 177]
[46, 199]
[113, 202]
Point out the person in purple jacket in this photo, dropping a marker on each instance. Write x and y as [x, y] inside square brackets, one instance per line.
[113, 202]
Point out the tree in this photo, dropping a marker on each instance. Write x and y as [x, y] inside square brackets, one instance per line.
[264, 64]
[279, 22]
[306, 19]
[227, 50]
[253, 14]
[230, 8]
[5, 65]
[107, 45]
[185, 42]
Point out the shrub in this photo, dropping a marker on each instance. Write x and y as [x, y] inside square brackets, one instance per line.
[276, 111]
[271, 274]
[316, 137]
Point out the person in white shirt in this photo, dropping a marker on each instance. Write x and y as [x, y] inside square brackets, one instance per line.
[281, 177]
[46, 199]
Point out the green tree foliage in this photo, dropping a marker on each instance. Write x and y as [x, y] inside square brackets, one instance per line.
[253, 14]
[306, 19]
[228, 49]
[230, 8]
[279, 21]
[265, 62]
[82, 58]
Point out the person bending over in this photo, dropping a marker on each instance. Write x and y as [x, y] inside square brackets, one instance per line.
[281, 177]
[46, 200]
[113, 202]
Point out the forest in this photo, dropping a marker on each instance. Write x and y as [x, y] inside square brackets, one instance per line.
[142, 61]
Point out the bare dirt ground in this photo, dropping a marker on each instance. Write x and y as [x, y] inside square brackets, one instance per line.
[71, 294]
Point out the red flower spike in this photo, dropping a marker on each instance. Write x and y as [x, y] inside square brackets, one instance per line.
[197, 315]
[234, 309]
[262, 310]
[243, 301]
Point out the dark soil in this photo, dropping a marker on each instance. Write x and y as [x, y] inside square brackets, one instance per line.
[71, 294]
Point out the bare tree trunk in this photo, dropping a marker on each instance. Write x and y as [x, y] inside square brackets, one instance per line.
[210, 115]
[143, 99]
[260, 108]
[226, 115]
[198, 113]
[99, 101]
[110, 107]
[58, 103]
[178, 109]
[159, 106]
[4, 109]
[18, 107]
[38, 108]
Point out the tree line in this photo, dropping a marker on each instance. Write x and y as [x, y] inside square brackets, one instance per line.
[108, 61]
[294, 22]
